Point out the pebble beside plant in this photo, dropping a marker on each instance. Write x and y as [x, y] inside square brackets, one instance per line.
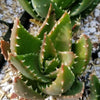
[48, 64]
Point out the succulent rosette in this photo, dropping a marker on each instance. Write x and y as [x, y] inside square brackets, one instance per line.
[49, 63]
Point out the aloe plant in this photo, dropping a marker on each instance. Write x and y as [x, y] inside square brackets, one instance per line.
[49, 63]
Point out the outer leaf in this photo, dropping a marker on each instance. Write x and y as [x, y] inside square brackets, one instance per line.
[48, 23]
[82, 49]
[41, 7]
[81, 6]
[59, 12]
[5, 48]
[25, 91]
[26, 4]
[95, 88]
[68, 98]
[74, 93]
[22, 42]
[63, 82]
[28, 66]
[33, 84]
[61, 33]
[77, 89]
[63, 3]
[90, 8]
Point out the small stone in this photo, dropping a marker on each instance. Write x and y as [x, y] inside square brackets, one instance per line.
[98, 18]
[0, 33]
[87, 29]
[93, 23]
[97, 13]
[10, 81]
[99, 54]
[92, 30]
[95, 45]
[1, 76]
[1, 94]
[1, 16]
[91, 34]
[9, 2]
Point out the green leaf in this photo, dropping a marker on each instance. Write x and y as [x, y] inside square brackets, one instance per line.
[26, 4]
[95, 88]
[67, 58]
[63, 3]
[47, 51]
[62, 83]
[81, 6]
[41, 7]
[51, 65]
[76, 89]
[61, 34]
[90, 8]
[25, 91]
[82, 48]
[48, 23]
[28, 65]
[23, 42]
